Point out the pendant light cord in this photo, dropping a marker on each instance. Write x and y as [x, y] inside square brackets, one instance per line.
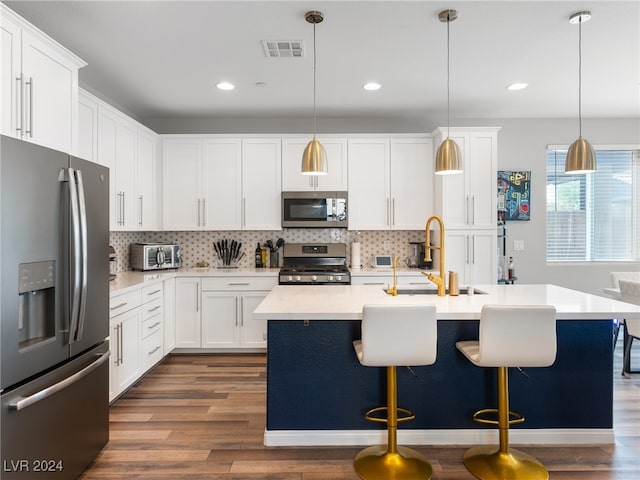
[314, 80]
[448, 113]
[580, 77]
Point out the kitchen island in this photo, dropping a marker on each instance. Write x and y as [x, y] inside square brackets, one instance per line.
[317, 391]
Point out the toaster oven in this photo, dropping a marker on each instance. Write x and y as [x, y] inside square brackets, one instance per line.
[154, 256]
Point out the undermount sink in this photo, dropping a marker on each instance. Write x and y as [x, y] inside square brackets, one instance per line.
[433, 291]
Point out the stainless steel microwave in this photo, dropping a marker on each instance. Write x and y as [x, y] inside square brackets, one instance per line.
[314, 209]
[154, 256]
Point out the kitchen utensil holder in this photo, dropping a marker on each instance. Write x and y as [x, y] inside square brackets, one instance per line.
[274, 258]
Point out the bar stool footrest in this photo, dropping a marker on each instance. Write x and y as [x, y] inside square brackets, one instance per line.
[409, 415]
[480, 417]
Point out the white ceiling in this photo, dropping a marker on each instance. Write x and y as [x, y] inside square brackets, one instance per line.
[161, 59]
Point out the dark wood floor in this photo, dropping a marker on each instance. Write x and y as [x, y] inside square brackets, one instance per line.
[203, 417]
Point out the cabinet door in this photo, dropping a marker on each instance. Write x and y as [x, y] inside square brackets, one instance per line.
[369, 199]
[107, 128]
[457, 256]
[411, 183]
[254, 332]
[187, 309]
[126, 136]
[180, 182]
[145, 200]
[294, 181]
[261, 181]
[481, 186]
[220, 320]
[87, 129]
[126, 364]
[222, 184]
[10, 58]
[169, 329]
[483, 259]
[50, 95]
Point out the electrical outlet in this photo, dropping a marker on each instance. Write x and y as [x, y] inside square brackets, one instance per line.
[386, 245]
[518, 245]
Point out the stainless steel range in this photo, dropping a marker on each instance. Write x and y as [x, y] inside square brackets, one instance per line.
[314, 264]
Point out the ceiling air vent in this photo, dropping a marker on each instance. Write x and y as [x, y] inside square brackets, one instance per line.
[283, 48]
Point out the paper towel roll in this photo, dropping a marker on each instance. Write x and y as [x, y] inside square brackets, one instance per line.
[355, 255]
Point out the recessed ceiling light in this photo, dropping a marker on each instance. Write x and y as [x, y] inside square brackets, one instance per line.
[225, 86]
[517, 86]
[371, 86]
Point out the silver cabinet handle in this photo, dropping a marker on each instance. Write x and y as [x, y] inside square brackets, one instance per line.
[237, 311]
[154, 350]
[204, 212]
[120, 342]
[388, 215]
[393, 212]
[473, 211]
[19, 105]
[374, 283]
[154, 325]
[238, 284]
[154, 309]
[197, 300]
[154, 292]
[140, 198]
[124, 219]
[241, 311]
[30, 131]
[118, 306]
[117, 345]
[56, 387]
[473, 249]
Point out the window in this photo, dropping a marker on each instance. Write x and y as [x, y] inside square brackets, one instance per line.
[594, 217]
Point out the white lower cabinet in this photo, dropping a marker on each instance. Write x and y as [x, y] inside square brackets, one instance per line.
[217, 312]
[169, 330]
[472, 253]
[188, 330]
[125, 321]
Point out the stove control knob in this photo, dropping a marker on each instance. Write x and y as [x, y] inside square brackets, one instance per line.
[330, 278]
[338, 278]
[314, 278]
[297, 278]
[289, 278]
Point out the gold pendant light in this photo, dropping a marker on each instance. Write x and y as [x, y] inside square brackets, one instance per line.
[580, 156]
[448, 154]
[314, 158]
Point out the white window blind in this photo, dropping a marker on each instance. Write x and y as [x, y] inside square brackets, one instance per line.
[593, 217]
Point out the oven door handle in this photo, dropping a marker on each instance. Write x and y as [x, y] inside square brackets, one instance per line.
[25, 402]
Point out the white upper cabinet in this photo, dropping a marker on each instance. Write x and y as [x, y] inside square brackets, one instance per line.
[217, 183]
[261, 183]
[39, 86]
[87, 127]
[294, 181]
[468, 200]
[181, 184]
[129, 149]
[390, 183]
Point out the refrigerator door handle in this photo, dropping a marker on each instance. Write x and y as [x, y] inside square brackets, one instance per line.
[82, 207]
[76, 254]
[25, 402]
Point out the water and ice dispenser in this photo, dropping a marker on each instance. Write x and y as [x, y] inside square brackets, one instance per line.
[36, 306]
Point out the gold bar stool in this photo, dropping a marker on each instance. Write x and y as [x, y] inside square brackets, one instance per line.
[394, 335]
[510, 336]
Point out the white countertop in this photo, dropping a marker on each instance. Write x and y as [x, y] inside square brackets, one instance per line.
[127, 281]
[293, 302]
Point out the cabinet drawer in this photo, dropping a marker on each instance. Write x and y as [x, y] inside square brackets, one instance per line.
[151, 325]
[151, 350]
[151, 292]
[238, 283]
[152, 308]
[123, 303]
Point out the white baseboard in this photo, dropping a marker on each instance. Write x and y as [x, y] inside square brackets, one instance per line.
[545, 436]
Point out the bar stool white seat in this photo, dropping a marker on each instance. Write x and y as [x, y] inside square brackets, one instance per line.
[395, 335]
[509, 336]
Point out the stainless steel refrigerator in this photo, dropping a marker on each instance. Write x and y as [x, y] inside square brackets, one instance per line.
[54, 301]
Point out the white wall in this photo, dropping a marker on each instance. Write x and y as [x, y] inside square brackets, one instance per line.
[522, 146]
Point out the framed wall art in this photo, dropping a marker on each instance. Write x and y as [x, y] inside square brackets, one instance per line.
[514, 195]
